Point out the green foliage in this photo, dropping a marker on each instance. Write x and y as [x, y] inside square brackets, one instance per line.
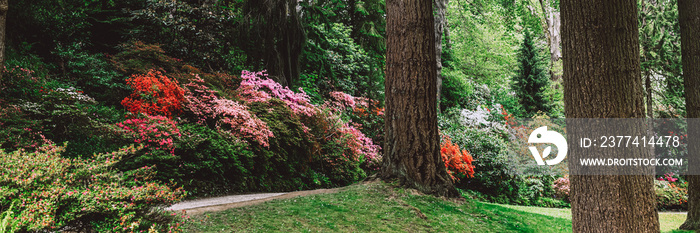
[61, 192]
[482, 41]
[92, 74]
[456, 91]
[671, 195]
[531, 81]
[660, 54]
[7, 222]
[201, 34]
[334, 62]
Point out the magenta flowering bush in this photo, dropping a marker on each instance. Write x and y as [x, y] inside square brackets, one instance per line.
[52, 192]
[360, 147]
[668, 177]
[235, 119]
[256, 87]
[229, 117]
[155, 132]
[561, 188]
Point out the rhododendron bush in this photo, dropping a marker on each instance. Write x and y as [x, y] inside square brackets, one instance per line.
[154, 94]
[458, 162]
[257, 87]
[230, 117]
[51, 192]
[155, 132]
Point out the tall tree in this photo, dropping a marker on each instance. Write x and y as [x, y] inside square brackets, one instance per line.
[602, 79]
[3, 18]
[531, 82]
[440, 23]
[689, 19]
[412, 144]
[275, 27]
[552, 27]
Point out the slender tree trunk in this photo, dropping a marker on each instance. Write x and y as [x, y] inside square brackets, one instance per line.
[689, 19]
[3, 18]
[412, 144]
[602, 79]
[440, 22]
[552, 28]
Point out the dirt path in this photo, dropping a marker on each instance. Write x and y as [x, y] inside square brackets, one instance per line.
[199, 206]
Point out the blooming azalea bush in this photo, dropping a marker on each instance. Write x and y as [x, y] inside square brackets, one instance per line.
[154, 94]
[154, 132]
[54, 193]
[671, 195]
[561, 188]
[229, 117]
[256, 87]
[458, 162]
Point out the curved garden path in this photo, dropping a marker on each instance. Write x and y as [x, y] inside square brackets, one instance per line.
[198, 206]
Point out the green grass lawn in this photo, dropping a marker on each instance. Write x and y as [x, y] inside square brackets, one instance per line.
[381, 207]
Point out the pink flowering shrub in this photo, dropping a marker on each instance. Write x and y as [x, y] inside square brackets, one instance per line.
[51, 192]
[668, 177]
[360, 147]
[230, 117]
[256, 87]
[155, 132]
[561, 188]
[234, 119]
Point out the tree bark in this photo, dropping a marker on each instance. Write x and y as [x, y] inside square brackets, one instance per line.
[689, 19]
[602, 79]
[552, 28]
[412, 144]
[440, 22]
[3, 19]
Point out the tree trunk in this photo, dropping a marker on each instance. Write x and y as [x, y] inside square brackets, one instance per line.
[3, 18]
[602, 79]
[412, 144]
[689, 19]
[440, 22]
[552, 29]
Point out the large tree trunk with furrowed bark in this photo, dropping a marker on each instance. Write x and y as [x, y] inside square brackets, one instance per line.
[412, 144]
[689, 20]
[602, 79]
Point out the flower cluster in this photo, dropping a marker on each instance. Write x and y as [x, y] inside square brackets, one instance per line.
[154, 94]
[458, 162]
[231, 117]
[52, 191]
[256, 87]
[561, 188]
[360, 145]
[668, 177]
[199, 99]
[235, 119]
[155, 132]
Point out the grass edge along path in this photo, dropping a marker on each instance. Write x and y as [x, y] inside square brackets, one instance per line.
[381, 207]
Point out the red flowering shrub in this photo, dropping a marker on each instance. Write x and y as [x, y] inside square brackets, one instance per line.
[457, 162]
[154, 94]
[155, 132]
[230, 117]
[52, 192]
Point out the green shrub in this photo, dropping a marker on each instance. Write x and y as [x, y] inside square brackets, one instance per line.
[456, 90]
[57, 192]
[671, 195]
[8, 224]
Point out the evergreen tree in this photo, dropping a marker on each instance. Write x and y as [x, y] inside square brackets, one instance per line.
[531, 80]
